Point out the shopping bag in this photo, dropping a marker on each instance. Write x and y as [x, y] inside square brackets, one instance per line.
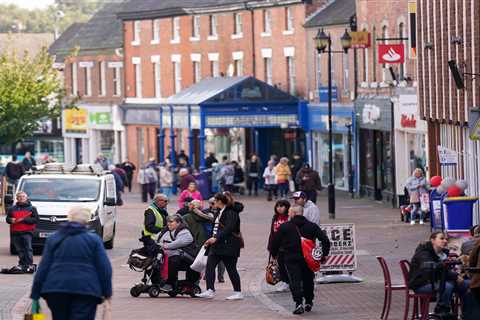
[272, 273]
[425, 202]
[34, 312]
[291, 186]
[200, 262]
[311, 253]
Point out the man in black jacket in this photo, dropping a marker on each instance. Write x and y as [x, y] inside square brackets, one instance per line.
[23, 219]
[288, 239]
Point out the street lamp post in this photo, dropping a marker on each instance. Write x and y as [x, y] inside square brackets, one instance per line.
[324, 45]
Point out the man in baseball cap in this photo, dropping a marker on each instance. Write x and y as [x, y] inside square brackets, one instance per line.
[310, 210]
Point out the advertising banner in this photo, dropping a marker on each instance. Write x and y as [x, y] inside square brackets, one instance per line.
[76, 122]
[447, 157]
[342, 247]
[391, 53]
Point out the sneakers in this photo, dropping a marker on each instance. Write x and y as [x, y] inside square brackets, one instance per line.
[299, 309]
[209, 294]
[308, 307]
[412, 222]
[282, 286]
[237, 295]
[421, 222]
[166, 287]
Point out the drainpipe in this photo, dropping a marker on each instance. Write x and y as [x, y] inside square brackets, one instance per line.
[252, 19]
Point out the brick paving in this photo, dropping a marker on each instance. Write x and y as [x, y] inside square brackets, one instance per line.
[378, 233]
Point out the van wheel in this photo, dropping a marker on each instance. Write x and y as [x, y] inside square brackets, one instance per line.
[109, 244]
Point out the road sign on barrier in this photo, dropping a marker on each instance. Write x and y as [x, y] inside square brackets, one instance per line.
[342, 247]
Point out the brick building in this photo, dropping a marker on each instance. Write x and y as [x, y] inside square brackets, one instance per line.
[449, 30]
[390, 147]
[91, 58]
[170, 45]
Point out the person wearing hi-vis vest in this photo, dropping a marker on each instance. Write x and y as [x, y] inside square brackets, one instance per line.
[155, 220]
[23, 219]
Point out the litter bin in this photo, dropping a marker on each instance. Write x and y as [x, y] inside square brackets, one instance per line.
[458, 213]
[436, 210]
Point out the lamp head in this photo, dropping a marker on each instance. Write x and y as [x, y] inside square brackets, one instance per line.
[322, 41]
[346, 41]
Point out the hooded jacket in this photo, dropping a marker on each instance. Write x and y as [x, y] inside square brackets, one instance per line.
[228, 240]
[195, 224]
[27, 212]
[74, 261]
[288, 239]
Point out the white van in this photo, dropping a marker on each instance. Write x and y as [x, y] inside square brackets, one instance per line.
[55, 188]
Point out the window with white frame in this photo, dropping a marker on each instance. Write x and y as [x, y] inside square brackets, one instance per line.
[267, 22]
[157, 76]
[212, 23]
[137, 28]
[346, 74]
[74, 77]
[138, 76]
[87, 79]
[155, 31]
[268, 76]
[214, 68]
[238, 67]
[102, 88]
[319, 71]
[195, 27]
[291, 75]
[289, 19]
[176, 29]
[237, 24]
[177, 76]
[117, 81]
[197, 71]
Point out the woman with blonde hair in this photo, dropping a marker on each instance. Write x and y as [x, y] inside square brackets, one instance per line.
[75, 274]
[416, 186]
[283, 175]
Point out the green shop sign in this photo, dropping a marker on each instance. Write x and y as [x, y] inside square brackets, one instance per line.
[100, 118]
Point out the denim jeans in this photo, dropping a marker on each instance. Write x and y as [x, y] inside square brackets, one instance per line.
[23, 245]
[283, 189]
[166, 191]
[416, 210]
[450, 288]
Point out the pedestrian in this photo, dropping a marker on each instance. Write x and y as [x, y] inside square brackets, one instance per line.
[185, 179]
[310, 210]
[210, 160]
[190, 192]
[283, 175]
[416, 186]
[274, 158]
[216, 177]
[119, 186]
[280, 216]
[142, 180]
[23, 219]
[308, 181]
[102, 161]
[154, 221]
[212, 210]
[151, 177]
[166, 178]
[129, 168]
[14, 170]
[224, 245]
[295, 167]
[468, 245]
[227, 175]
[238, 177]
[196, 220]
[173, 240]
[253, 169]
[28, 161]
[183, 155]
[288, 239]
[270, 184]
[75, 274]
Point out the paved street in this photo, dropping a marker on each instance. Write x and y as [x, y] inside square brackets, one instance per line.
[378, 233]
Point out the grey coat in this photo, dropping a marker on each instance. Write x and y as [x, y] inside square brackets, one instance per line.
[172, 243]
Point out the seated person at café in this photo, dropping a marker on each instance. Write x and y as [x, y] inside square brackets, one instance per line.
[431, 254]
[468, 245]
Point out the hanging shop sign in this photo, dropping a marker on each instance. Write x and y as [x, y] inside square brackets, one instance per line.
[342, 255]
[391, 53]
[407, 115]
[76, 121]
[360, 39]
[447, 157]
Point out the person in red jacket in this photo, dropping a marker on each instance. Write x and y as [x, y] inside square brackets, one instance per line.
[23, 219]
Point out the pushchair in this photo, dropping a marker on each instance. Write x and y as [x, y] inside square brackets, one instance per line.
[154, 275]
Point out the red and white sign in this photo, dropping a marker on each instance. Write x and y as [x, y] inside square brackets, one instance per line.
[391, 53]
[342, 255]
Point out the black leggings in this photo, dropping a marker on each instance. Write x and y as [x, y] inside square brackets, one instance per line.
[231, 266]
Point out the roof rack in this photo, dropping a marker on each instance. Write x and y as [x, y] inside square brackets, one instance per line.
[62, 168]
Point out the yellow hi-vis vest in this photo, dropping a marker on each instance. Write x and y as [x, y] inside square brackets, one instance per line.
[158, 222]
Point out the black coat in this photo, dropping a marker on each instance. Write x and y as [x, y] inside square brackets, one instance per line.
[228, 234]
[420, 274]
[288, 240]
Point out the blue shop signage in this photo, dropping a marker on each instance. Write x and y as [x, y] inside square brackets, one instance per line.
[341, 117]
[323, 94]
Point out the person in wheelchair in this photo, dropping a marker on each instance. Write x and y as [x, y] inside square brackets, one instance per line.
[427, 265]
[178, 244]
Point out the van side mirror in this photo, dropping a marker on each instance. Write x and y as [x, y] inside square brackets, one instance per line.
[110, 202]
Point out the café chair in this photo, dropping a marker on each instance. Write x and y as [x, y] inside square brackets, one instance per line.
[388, 288]
[421, 301]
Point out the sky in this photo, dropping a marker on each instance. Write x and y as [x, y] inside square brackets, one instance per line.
[29, 4]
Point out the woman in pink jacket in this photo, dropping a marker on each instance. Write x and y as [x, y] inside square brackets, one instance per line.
[190, 192]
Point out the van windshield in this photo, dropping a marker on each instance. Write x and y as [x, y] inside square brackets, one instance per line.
[61, 190]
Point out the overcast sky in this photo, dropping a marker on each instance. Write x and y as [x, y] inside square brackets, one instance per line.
[29, 4]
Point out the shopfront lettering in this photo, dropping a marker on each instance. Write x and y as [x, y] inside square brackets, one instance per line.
[408, 121]
[370, 114]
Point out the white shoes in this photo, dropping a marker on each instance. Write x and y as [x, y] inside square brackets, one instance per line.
[282, 286]
[209, 294]
[237, 295]
[421, 222]
[412, 222]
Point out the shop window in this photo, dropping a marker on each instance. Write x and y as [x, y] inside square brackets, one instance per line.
[107, 143]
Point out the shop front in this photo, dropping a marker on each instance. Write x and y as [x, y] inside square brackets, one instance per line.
[90, 130]
[410, 141]
[344, 144]
[376, 148]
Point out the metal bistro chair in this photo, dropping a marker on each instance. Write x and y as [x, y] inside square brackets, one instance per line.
[388, 288]
[421, 301]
